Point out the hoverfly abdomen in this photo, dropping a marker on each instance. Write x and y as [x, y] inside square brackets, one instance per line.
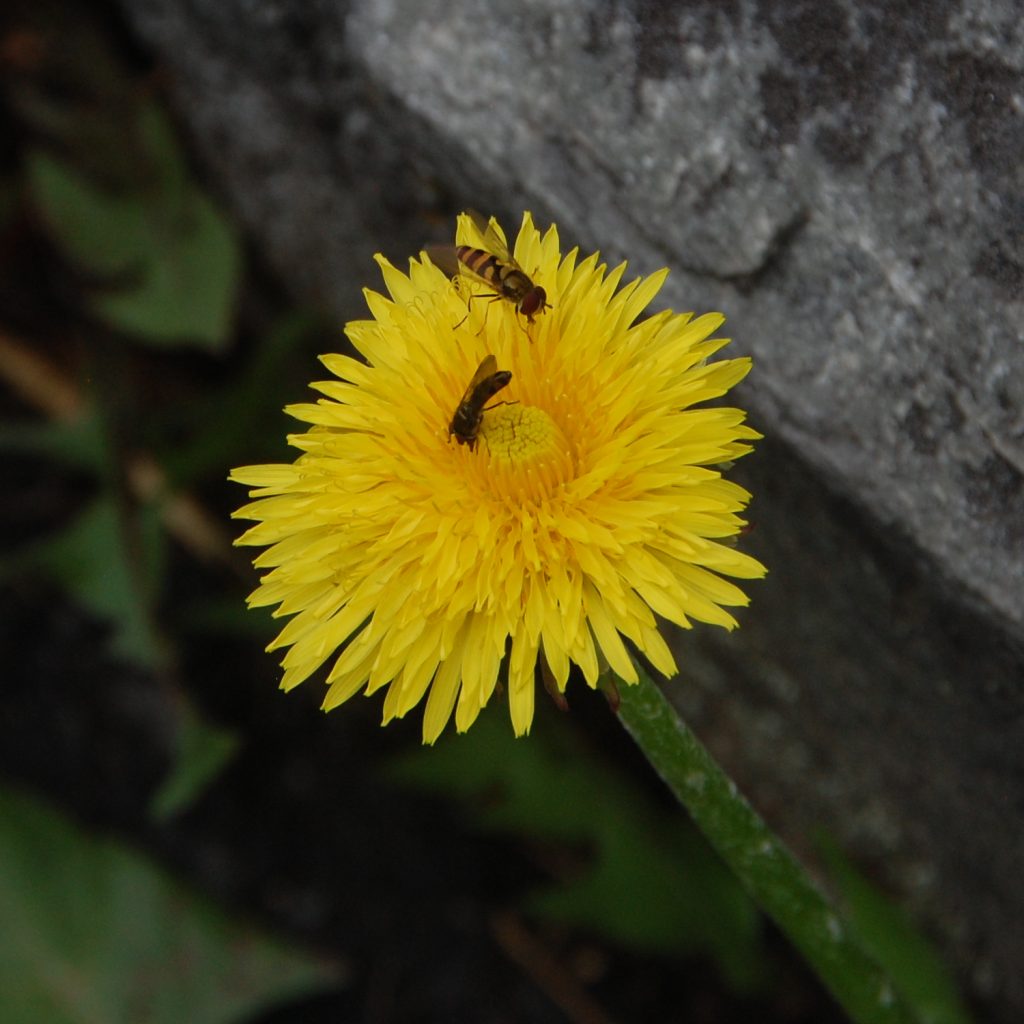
[483, 264]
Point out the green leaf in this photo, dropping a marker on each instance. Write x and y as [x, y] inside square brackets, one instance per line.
[187, 287]
[650, 882]
[102, 232]
[888, 934]
[92, 560]
[203, 751]
[94, 934]
[166, 262]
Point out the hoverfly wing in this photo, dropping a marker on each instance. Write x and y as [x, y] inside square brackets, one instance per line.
[493, 239]
[445, 258]
[487, 382]
[487, 369]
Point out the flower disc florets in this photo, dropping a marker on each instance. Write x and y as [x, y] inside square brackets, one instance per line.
[588, 504]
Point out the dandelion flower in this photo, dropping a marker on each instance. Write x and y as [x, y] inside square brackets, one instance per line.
[590, 505]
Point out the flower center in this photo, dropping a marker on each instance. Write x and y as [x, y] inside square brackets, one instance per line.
[528, 455]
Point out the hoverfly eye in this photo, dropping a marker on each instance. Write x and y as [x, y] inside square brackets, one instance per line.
[534, 300]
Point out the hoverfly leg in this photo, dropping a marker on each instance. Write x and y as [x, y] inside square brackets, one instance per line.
[491, 301]
[469, 308]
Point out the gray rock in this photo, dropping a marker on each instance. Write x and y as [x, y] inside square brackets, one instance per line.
[846, 182]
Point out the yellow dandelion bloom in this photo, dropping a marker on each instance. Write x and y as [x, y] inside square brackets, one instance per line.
[589, 504]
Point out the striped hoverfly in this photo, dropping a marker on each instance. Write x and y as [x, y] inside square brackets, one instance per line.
[469, 415]
[493, 266]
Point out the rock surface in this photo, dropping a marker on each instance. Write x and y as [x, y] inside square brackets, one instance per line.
[845, 181]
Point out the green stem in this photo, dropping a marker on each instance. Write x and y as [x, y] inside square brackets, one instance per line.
[765, 867]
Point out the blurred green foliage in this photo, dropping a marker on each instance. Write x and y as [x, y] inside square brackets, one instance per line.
[95, 562]
[108, 558]
[156, 259]
[889, 935]
[94, 934]
[644, 877]
[156, 264]
[203, 750]
[162, 262]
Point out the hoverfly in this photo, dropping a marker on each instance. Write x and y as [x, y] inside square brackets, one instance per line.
[495, 267]
[486, 383]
